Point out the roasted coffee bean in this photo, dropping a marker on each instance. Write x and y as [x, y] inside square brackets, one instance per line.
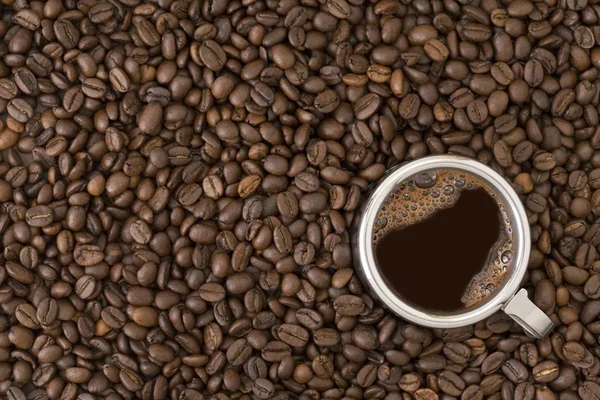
[78, 374]
[239, 352]
[20, 110]
[212, 292]
[113, 317]
[14, 393]
[348, 305]
[450, 383]
[472, 392]
[212, 55]
[436, 50]
[293, 335]
[26, 81]
[47, 311]
[366, 106]
[282, 239]
[66, 33]
[524, 390]
[8, 89]
[88, 254]
[26, 314]
[588, 390]
[39, 216]
[85, 287]
[409, 106]
[327, 101]
[546, 371]
[27, 19]
[426, 394]
[493, 362]
[249, 185]
[515, 371]
[529, 354]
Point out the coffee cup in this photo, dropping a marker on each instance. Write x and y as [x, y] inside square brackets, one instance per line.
[506, 293]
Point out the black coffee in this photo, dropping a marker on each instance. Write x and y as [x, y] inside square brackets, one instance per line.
[443, 241]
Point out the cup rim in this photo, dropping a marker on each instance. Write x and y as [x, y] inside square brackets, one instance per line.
[365, 254]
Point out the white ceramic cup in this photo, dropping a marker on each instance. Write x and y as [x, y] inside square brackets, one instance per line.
[507, 297]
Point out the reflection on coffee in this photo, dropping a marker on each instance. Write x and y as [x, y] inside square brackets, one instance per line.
[443, 241]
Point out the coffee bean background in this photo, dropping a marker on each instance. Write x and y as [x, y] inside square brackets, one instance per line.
[178, 179]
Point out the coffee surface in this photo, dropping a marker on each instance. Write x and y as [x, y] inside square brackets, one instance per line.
[443, 241]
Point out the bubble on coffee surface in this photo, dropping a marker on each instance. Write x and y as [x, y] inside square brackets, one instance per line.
[421, 197]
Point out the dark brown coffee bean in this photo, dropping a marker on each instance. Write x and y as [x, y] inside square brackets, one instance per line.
[431, 363]
[26, 314]
[275, 351]
[472, 392]
[477, 111]
[461, 98]
[493, 363]
[263, 388]
[545, 371]
[85, 286]
[212, 55]
[47, 311]
[26, 81]
[113, 317]
[238, 352]
[450, 383]
[326, 337]
[8, 89]
[366, 375]
[20, 110]
[309, 318]
[366, 106]
[27, 19]
[147, 32]
[348, 305]
[306, 181]
[426, 394]
[282, 239]
[379, 73]
[39, 216]
[130, 380]
[78, 374]
[503, 154]
[293, 335]
[66, 33]
[212, 292]
[119, 80]
[14, 393]
[327, 101]
[87, 255]
[515, 371]
[561, 101]
[409, 106]
[262, 95]
[524, 390]
[491, 384]
[249, 185]
[101, 12]
[573, 351]
[536, 203]
[73, 99]
[588, 390]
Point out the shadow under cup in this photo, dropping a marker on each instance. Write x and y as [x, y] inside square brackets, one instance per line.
[502, 296]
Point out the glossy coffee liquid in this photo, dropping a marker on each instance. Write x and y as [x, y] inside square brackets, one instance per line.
[443, 241]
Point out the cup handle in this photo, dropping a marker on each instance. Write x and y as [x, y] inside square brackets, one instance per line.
[528, 315]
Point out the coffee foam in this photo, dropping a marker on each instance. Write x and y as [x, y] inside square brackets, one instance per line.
[421, 197]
